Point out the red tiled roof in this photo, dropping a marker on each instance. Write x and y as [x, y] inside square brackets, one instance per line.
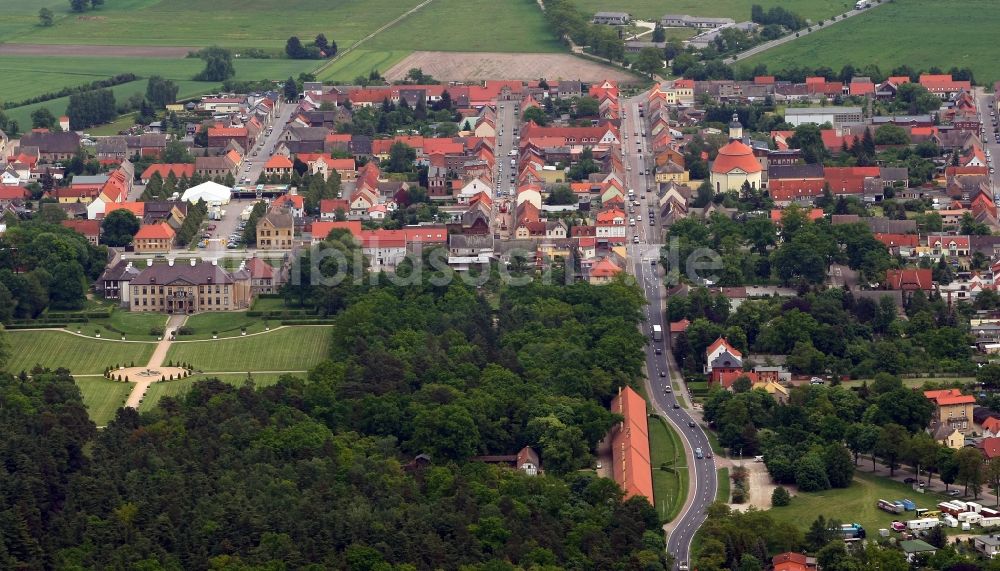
[155, 232]
[631, 466]
[990, 447]
[227, 131]
[296, 200]
[85, 227]
[341, 164]
[909, 279]
[992, 424]
[179, 170]
[605, 268]
[721, 342]
[13, 192]
[848, 180]
[320, 230]
[897, 240]
[383, 239]
[736, 155]
[679, 326]
[437, 234]
[278, 162]
[137, 208]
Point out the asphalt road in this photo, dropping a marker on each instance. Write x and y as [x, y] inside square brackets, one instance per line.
[504, 189]
[702, 475]
[985, 103]
[265, 146]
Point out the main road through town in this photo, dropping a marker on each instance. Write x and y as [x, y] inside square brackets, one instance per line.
[663, 395]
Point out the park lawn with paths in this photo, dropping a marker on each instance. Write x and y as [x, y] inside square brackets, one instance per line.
[293, 348]
[511, 26]
[102, 398]
[229, 23]
[669, 487]
[179, 388]
[81, 355]
[856, 503]
[941, 34]
[361, 62]
[722, 476]
[135, 325]
[738, 10]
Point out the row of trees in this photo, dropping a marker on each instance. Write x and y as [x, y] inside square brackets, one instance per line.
[566, 20]
[91, 108]
[82, 5]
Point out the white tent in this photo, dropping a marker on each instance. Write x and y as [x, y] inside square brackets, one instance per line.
[210, 192]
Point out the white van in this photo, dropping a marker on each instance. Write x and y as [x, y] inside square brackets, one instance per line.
[631, 221]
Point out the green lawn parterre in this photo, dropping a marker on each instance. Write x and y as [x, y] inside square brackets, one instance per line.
[81, 355]
[102, 397]
[295, 348]
[722, 477]
[918, 33]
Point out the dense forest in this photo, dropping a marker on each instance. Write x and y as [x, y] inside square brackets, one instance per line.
[316, 472]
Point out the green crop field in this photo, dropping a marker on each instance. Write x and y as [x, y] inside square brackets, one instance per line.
[295, 348]
[34, 75]
[669, 487]
[854, 504]
[80, 355]
[232, 23]
[103, 398]
[361, 62]
[918, 33]
[22, 17]
[180, 388]
[472, 26]
[738, 10]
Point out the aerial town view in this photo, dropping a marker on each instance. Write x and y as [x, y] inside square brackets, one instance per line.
[596, 285]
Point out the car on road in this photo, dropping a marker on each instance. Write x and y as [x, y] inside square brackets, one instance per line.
[909, 480]
[663, 373]
[667, 389]
[954, 493]
[658, 351]
[682, 566]
[698, 453]
[635, 239]
[676, 405]
[692, 423]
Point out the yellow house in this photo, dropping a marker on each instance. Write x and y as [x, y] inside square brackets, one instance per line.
[672, 172]
[952, 409]
[275, 231]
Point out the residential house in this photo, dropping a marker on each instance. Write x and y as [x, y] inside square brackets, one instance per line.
[179, 170]
[52, 147]
[261, 276]
[723, 362]
[154, 239]
[114, 282]
[604, 271]
[275, 230]
[89, 229]
[278, 165]
[952, 408]
[915, 548]
[612, 18]
[792, 561]
[988, 545]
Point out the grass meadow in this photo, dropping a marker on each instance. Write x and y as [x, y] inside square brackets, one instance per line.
[918, 33]
[669, 487]
[295, 348]
[82, 356]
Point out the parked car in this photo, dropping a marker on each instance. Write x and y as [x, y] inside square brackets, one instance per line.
[909, 480]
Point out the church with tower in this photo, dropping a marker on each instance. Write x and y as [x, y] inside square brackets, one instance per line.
[735, 163]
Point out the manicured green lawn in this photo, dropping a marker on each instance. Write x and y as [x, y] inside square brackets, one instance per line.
[472, 26]
[295, 348]
[739, 10]
[80, 355]
[179, 388]
[269, 304]
[361, 62]
[669, 487]
[231, 23]
[103, 398]
[854, 504]
[227, 323]
[136, 325]
[925, 33]
[722, 494]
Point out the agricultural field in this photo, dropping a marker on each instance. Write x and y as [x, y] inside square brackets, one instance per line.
[102, 398]
[738, 10]
[957, 40]
[82, 356]
[853, 504]
[459, 25]
[361, 62]
[479, 66]
[669, 487]
[230, 23]
[294, 348]
[181, 387]
[30, 76]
